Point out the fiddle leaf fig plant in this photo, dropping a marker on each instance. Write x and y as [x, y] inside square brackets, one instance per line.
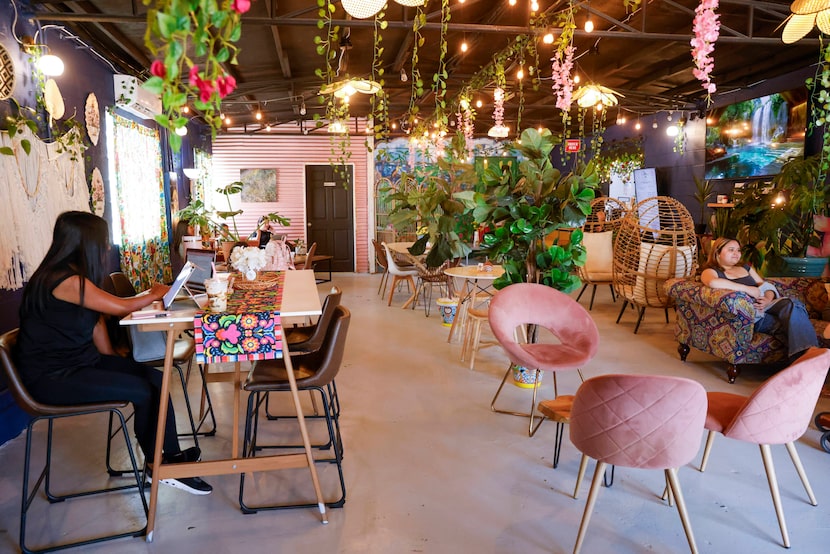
[521, 209]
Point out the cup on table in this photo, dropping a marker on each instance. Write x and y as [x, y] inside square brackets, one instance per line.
[225, 276]
[217, 294]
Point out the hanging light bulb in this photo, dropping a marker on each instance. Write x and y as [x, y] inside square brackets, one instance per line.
[268, 128]
[302, 108]
[520, 74]
[258, 115]
[589, 25]
[181, 131]
[548, 38]
[637, 125]
[186, 109]
[512, 2]
[534, 6]
[50, 65]
[464, 46]
[404, 76]
[227, 120]
[576, 79]
[672, 130]
[668, 117]
[654, 124]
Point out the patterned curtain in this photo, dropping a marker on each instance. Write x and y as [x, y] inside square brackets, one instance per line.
[145, 248]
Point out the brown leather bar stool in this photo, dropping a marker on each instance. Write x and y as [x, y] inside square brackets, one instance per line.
[50, 413]
[313, 372]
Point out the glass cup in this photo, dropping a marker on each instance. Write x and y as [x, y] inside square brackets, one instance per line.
[217, 294]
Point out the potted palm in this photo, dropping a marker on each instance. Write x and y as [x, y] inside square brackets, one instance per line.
[704, 190]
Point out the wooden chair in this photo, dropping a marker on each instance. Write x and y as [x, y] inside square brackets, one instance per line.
[398, 274]
[656, 242]
[50, 413]
[380, 259]
[308, 263]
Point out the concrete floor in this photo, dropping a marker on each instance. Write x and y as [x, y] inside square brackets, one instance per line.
[429, 468]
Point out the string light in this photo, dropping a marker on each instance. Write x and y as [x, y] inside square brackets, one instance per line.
[576, 79]
[258, 115]
[227, 120]
[512, 2]
[464, 46]
[548, 38]
[534, 6]
[520, 74]
[186, 109]
[479, 103]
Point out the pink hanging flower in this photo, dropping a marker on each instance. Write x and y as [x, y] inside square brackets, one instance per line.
[206, 89]
[194, 75]
[706, 28]
[563, 83]
[498, 106]
[225, 85]
[241, 6]
[158, 69]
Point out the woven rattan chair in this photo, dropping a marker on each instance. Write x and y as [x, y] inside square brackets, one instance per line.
[599, 230]
[655, 242]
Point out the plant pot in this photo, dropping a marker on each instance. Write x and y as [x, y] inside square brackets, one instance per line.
[525, 378]
[447, 307]
[803, 267]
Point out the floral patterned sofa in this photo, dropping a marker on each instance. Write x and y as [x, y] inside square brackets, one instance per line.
[720, 322]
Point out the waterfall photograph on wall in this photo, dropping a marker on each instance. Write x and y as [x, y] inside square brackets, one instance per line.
[755, 137]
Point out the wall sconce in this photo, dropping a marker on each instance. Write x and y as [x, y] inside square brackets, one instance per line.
[191, 173]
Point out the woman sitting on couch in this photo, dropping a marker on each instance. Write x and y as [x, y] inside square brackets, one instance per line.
[785, 318]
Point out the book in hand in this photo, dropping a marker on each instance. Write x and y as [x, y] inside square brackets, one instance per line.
[150, 314]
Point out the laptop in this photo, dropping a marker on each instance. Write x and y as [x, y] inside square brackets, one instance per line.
[177, 285]
[203, 260]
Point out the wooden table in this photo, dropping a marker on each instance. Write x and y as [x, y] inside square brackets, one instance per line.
[300, 298]
[472, 276]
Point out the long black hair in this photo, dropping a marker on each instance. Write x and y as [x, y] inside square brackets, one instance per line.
[79, 246]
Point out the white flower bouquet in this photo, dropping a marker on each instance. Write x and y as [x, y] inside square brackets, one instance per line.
[248, 260]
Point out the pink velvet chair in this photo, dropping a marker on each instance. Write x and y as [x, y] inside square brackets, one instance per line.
[640, 421]
[522, 304]
[778, 412]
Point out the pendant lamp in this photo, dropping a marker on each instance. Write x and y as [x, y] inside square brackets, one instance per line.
[362, 9]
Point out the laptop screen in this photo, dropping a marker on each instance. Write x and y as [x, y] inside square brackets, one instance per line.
[177, 285]
[203, 261]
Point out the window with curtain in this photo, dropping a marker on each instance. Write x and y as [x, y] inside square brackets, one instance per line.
[137, 190]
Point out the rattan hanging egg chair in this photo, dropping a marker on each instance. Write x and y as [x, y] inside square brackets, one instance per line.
[655, 242]
[600, 228]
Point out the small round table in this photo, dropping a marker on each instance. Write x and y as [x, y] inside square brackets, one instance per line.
[472, 276]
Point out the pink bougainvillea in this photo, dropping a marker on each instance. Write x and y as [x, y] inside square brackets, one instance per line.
[563, 83]
[241, 6]
[706, 29]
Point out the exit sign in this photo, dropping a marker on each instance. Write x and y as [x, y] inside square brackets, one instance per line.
[572, 145]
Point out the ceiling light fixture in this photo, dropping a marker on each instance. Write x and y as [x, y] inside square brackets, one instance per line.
[404, 76]
[302, 108]
[362, 9]
[591, 95]
[344, 89]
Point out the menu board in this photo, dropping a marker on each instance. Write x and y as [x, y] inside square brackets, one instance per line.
[645, 183]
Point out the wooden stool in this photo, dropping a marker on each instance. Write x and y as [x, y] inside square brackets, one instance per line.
[476, 317]
[559, 411]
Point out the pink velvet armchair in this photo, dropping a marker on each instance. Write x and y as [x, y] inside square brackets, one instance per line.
[720, 322]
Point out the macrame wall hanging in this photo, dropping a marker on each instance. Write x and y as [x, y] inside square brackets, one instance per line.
[35, 188]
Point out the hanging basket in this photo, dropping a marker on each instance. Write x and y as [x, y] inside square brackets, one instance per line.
[525, 378]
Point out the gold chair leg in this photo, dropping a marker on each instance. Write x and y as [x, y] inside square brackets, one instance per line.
[530, 415]
[710, 439]
[766, 456]
[589, 505]
[674, 484]
[801, 473]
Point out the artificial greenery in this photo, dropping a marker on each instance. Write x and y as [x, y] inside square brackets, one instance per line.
[779, 219]
[194, 41]
[521, 209]
[430, 198]
[704, 190]
[417, 87]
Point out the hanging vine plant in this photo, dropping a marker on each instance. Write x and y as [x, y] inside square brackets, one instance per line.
[439, 79]
[417, 89]
[206, 30]
[379, 112]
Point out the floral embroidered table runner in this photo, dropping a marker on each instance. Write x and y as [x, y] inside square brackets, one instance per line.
[249, 330]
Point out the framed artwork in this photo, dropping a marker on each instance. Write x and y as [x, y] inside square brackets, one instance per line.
[260, 185]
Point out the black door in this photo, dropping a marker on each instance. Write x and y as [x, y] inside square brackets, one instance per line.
[330, 218]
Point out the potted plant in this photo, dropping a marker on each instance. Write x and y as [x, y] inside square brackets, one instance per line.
[704, 190]
[524, 207]
[432, 200]
[779, 222]
[199, 217]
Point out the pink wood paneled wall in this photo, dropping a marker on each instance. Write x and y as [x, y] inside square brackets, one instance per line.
[289, 155]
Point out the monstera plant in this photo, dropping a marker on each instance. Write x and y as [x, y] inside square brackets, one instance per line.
[523, 208]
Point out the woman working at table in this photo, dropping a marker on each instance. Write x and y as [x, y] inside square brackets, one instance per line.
[63, 349]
